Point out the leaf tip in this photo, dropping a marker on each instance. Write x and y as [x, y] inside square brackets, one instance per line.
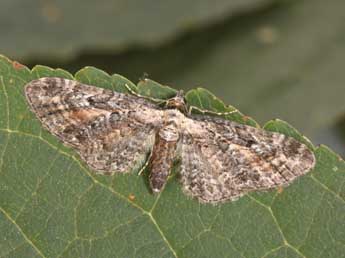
[17, 66]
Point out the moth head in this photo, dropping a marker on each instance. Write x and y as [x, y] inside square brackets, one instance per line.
[177, 102]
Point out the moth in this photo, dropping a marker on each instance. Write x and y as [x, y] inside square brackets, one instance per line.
[115, 132]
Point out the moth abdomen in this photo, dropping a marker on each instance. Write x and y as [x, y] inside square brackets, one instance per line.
[162, 158]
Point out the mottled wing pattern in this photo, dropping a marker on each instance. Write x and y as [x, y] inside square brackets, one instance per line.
[113, 132]
[223, 160]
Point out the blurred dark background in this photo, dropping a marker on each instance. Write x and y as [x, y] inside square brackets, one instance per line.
[269, 58]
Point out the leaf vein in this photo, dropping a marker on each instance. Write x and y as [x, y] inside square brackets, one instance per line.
[278, 226]
[80, 165]
[22, 232]
[162, 234]
[328, 189]
[7, 101]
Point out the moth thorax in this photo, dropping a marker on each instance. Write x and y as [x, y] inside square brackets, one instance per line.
[177, 102]
[169, 133]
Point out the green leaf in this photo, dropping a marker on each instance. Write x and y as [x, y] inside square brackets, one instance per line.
[61, 29]
[52, 205]
[153, 89]
[205, 100]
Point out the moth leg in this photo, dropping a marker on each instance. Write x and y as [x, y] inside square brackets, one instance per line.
[162, 158]
[146, 164]
[158, 101]
[205, 111]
